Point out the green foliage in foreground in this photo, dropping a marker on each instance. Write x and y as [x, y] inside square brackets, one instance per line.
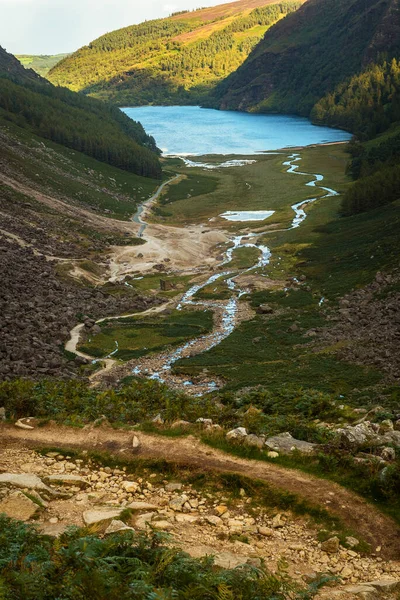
[81, 566]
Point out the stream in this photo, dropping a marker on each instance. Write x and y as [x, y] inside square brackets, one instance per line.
[228, 310]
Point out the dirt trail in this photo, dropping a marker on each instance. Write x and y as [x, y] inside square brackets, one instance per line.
[355, 513]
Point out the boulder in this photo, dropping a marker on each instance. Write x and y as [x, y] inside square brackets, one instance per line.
[117, 526]
[24, 481]
[61, 479]
[18, 506]
[237, 434]
[100, 515]
[286, 443]
[214, 520]
[388, 453]
[331, 546]
[137, 506]
[135, 443]
[254, 440]
[358, 435]
[227, 560]
[53, 529]
[130, 486]
[265, 309]
[142, 521]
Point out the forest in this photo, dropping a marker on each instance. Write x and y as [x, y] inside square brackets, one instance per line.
[87, 125]
[166, 61]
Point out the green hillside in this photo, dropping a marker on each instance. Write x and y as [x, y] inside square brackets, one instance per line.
[97, 129]
[312, 51]
[41, 63]
[173, 60]
[338, 63]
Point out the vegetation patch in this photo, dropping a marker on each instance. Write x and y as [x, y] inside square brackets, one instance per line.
[135, 337]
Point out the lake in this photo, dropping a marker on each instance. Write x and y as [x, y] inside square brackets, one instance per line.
[191, 130]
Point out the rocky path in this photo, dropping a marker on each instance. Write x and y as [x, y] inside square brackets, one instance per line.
[376, 528]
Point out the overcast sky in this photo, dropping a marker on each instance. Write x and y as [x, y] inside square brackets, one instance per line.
[55, 26]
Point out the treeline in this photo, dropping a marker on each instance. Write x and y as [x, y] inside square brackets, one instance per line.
[368, 193]
[155, 62]
[97, 129]
[367, 104]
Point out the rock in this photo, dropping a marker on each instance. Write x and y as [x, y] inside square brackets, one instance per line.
[235, 526]
[331, 546]
[24, 480]
[385, 585]
[182, 518]
[53, 529]
[61, 479]
[237, 434]
[265, 531]
[135, 443]
[173, 487]
[388, 453]
[206, 422]
[214, 520]
[158, 420]
[352, 542]
[163, 525]
[101, 515]
[143, 520]
[177, 503]
[117, 526]
[21, 424]
[362, 591]
[272, 454]
[136, 506]
[357, 435]
[180, 423]
[277, 521]
[265, 309]
[130, 486]
[386, 426]
[346, 572]
[286, 443]
[227, 560]
[254, 440]
[220, 510]
[18, 506]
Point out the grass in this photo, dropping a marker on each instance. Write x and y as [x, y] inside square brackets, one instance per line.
[140, 336]
[263, 185]
[151, 283]
[74, 176]
[189, 187]
[341, 469]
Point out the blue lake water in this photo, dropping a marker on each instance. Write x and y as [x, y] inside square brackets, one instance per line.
[191, 130]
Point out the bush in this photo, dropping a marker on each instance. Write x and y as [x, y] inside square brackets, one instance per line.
[81, 566]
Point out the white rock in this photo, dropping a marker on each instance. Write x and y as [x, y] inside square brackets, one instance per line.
[91, 517]
[136, 505]
[117, 526]
[237, 434]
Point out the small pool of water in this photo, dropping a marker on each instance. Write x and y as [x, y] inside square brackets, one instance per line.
[191, 130]
[247, 215]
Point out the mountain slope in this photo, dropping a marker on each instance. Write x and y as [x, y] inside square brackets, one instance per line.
[172, 60]
[41, 63]
[83, 124]
[310, 52]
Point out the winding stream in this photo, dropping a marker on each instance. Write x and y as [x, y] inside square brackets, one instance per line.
[229, 309]
[226, 312]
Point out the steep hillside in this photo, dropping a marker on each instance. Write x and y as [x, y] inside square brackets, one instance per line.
[86, 125]
[41, 63]
[311, 52]
[172, 60]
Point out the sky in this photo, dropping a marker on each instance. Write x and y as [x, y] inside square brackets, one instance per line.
[58, 26]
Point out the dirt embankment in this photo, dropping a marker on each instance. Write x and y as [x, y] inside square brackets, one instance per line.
[378, 529]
